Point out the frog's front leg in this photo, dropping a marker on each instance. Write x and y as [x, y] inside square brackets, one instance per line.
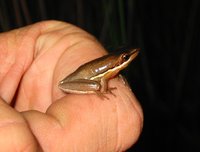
[80, 86]
[105, 88]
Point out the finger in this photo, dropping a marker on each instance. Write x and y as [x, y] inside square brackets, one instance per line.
[16, 54]
[59, 50]
[88, 122]
[15, 134]
[16, 51]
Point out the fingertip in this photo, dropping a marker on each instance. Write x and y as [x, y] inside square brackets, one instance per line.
[130, 115]
[12, 128]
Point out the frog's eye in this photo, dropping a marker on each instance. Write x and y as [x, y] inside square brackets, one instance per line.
[125, 57]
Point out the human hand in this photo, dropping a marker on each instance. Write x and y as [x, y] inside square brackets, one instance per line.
[36, 116]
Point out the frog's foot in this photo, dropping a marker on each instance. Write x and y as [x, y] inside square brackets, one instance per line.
[101, 95]
[110, 91]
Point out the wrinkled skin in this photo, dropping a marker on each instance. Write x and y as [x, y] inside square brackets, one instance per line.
[33, 60]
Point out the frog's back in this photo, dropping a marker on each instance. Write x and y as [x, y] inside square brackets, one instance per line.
[94, 68]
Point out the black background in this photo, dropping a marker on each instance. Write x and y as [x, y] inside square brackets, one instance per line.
[165, 77]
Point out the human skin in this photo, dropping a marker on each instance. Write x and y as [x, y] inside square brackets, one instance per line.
[35, 115]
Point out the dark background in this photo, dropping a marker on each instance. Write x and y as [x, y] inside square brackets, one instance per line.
[165, 77]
